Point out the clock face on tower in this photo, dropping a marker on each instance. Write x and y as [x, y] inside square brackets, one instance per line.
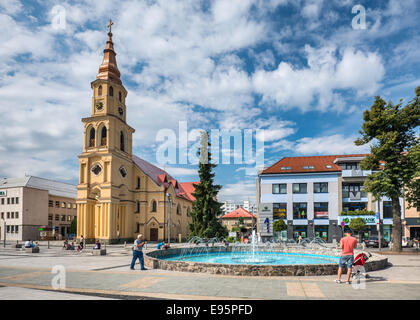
[120, 111]
[99, 106]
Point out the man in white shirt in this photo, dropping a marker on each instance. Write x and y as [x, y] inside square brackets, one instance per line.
[138, 252]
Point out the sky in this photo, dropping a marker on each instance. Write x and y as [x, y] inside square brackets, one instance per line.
[303, 71]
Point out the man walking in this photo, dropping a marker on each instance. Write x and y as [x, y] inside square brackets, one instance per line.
[347, 245]
[138, 252]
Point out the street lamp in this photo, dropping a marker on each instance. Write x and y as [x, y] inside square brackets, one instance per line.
[169, 218]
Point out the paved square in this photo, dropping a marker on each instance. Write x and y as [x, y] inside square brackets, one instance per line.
[99, 276]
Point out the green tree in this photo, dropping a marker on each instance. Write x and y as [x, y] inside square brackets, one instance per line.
[394, 155]
[358, 225]
[73, 226]
[206, 208]
[279, 226]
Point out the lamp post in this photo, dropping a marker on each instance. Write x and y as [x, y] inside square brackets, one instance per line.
[169, 217]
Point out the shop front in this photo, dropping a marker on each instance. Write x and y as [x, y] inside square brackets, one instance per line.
[413, 226]
[387, 229]
[279, 211]
[302, 230]
[371, 227]
[321, 232]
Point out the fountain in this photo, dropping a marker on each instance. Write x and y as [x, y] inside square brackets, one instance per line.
[282, 257]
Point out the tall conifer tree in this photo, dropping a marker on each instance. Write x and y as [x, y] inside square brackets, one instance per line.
[206, 208]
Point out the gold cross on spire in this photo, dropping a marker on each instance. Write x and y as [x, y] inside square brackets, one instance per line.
[110, 24]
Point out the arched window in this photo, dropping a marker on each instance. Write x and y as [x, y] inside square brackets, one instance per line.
[103, 136]
[92, 138]
[137, 206]
[120, 96]
[111, 91]
[178, 210]
[99, 90]
[138, 183]
[122, 146]
[188, 212]
[154, 206]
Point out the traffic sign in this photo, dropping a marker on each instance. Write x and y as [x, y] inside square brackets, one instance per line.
[343, 223]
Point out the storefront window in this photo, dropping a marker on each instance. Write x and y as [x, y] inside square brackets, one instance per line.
[321, 210]
[302, 230]
[321, 232]
[354, 206]
[300, 210]
[387, 232]
[279, 211]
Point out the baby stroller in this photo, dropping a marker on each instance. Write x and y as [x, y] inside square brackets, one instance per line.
[358, 263]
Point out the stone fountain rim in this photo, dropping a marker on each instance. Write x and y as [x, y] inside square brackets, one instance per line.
[375, 263]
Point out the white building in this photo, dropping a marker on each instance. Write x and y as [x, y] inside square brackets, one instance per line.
[30, 203]
[314, 195]
[229, 206]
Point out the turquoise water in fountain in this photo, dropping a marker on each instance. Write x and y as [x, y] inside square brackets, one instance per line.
[259, 258]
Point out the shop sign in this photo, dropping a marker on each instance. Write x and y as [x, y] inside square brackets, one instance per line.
[412, 221]
[369, 220]
[266, 219]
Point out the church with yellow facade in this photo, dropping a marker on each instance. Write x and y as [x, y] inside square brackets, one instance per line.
[120, 195]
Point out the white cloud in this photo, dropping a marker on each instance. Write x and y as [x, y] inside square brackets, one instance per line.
[325, 145]
[11, 6]
[238, 191]
[315, 85]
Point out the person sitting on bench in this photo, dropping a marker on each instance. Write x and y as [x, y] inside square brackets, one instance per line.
[97, 245]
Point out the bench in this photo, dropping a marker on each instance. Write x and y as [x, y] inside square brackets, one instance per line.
[32, 250]
[18, 246]
[99, 252]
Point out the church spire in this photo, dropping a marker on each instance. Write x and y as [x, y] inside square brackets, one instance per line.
[108, 70]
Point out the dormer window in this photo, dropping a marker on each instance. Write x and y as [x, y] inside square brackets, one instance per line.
[308, 167]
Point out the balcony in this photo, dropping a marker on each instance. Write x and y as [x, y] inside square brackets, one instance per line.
[355, 173]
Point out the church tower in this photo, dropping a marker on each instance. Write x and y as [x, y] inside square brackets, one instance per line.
[104, 194]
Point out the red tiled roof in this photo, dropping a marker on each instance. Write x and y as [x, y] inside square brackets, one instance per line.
[161, 177]
[240, 212]
[189, 189]
[297, 164]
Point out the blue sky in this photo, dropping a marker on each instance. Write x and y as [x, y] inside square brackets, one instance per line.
[296, 69]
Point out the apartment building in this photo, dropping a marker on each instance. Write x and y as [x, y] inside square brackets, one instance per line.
[316, 196]
[30, 203]
[229, 206]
